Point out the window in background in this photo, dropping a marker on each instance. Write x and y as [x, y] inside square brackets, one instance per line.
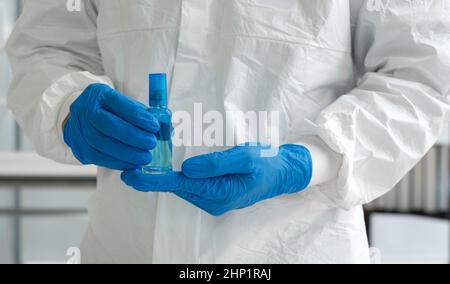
[8, 12]
[410, 239]
[46, 238]
[6, 240]
[6, 198]
[53, 198]
[36, 224]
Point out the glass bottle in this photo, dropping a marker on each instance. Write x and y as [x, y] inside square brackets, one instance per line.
[162, 154]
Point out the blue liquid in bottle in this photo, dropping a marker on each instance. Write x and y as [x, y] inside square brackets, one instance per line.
[162, 154]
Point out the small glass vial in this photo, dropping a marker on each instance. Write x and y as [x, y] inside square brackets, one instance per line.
[162, 154]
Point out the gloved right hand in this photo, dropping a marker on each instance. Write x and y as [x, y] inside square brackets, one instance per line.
[110, 130]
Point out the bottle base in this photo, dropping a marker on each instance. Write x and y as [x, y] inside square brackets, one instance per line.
[156, 171]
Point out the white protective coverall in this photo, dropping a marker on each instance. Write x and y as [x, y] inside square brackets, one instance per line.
[367, 82]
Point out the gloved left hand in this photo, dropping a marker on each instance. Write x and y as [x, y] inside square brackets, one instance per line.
[234, 179]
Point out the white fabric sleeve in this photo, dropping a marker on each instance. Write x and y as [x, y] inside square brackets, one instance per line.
[386, 124]
[54, 55]
[325, 162]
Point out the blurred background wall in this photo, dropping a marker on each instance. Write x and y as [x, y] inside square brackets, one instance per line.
[43, 205]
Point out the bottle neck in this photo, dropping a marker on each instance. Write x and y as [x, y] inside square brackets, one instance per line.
[158, 99]
[159, 106]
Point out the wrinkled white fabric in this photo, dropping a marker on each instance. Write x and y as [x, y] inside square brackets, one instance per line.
[370, 80]
[326, 163]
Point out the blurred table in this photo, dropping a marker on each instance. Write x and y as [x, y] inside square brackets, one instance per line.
[29, 169]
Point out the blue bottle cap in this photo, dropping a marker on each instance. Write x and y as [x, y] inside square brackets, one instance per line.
[157, 90]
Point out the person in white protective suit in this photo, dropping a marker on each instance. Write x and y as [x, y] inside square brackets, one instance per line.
[363, 85]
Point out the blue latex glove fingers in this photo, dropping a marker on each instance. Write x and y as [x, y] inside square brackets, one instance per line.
[117, 128]
[237, 160]
[88, 155]
[129, 110]
[115, 148]
[215, 196]
[170, 182]
[178, 182]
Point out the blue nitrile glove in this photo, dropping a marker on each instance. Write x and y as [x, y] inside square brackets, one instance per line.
[110, 130]
[234, 179]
